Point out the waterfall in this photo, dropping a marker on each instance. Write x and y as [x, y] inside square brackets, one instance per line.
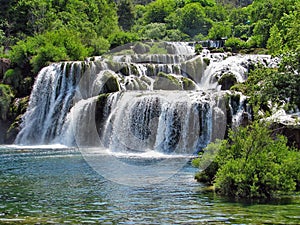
[168, 103]
[50, 101]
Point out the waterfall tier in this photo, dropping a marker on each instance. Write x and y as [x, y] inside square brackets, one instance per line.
[169, 103]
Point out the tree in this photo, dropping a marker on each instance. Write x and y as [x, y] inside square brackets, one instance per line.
[204, 3]
[253, 163]
[121, 38]
[220, 30]
[126, 14]
[192, 20]
[157, 11]
[290, 27]
[53, 46]
[275, 41]
[264, 14]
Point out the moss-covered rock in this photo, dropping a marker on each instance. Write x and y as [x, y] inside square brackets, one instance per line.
[165, 81]
[21, 86]
[227, 80]
[6, 96]
[25, 87]
[136, 83]
[13, 130]
[4, 125]
[206, 61]
[17, 110]
[13, 77]
[19, 106]
[188, 84]
[141, 48]
[125, 70]
[111, 83]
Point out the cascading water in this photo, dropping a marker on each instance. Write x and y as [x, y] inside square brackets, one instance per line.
[137, 102]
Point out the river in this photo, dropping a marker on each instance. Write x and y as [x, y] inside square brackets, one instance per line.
[55, 185]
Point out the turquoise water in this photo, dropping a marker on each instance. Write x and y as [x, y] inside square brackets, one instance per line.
[56, 185]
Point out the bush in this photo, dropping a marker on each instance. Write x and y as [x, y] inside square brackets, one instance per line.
[100, 45]
[235, 44]
[59, 45]
[220, 30]
[12, 77]
[121, 38]
[198, 49]
[254, 163]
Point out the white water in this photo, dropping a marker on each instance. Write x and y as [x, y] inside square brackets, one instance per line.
[62, 107]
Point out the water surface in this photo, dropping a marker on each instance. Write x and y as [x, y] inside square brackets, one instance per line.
[56, 185]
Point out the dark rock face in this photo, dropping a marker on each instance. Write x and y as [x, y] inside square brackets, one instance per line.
[290, 131]
[4, 66]
[4, 125]
[227, 81]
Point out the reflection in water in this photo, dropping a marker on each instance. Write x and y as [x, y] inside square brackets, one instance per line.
[58, 186]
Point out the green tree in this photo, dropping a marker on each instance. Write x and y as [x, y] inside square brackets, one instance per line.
[192, 20]
[264, 14]
[121, 38]
[290, 27]
[253, 163]
[157, 11]
[126, 14]
[220, 30]
[36, 52]
[275, 41]
[204, 3]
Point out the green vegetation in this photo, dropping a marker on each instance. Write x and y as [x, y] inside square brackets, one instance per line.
[34, 33]
[279, 86]
[252, 163]
[6, 97]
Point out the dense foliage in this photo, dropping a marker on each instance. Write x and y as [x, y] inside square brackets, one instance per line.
[94, 26]
[270, 87]
[34, 33]
[252, 163]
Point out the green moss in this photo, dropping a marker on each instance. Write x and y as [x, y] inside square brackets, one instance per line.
[227, 81]
[207, 61]
[157, 48]
[188, 84]
[165, 81]
[6, 96]
[13, 77]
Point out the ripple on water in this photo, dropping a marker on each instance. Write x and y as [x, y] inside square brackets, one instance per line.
[40, 186]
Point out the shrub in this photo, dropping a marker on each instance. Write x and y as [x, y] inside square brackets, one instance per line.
[235, 44]
[254, 163]
[121, 38]
[12, 77]
[59, 45]
[100, 45]
[198, 49]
